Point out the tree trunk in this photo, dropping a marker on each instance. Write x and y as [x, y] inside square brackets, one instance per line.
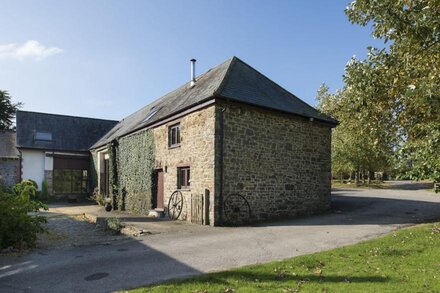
[356, 177]
[341, 177]
[369, 177]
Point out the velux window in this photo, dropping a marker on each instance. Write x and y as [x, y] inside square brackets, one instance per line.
[174, 135]
[43, 136]
[183, 178]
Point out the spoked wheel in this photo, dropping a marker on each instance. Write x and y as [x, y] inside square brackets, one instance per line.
[237, 210]
[175, 205]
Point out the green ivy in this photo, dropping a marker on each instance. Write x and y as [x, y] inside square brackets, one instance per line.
[113, 170]
[132, 174]
[93, 171]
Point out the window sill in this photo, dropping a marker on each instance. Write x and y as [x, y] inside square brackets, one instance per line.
[184, 189]
[174, 146]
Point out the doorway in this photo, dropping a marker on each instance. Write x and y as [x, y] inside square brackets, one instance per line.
[159, 189]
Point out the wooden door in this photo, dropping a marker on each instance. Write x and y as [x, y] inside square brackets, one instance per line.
[159, 190]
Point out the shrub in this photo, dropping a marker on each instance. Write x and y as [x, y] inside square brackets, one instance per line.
[114, 225]
[19, 224]
[43, 195]
[98, 197]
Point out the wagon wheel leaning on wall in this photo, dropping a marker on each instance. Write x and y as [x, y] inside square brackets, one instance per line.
[175, 205]
[236, 210]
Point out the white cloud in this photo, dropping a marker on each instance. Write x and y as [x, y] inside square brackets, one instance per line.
[28, 50]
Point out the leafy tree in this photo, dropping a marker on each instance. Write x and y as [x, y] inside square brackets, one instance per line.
[7, 110]
[354, 147]
[389, 107]
[402, 80]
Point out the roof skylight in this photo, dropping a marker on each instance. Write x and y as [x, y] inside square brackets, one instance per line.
[151, 114]
[44, 136]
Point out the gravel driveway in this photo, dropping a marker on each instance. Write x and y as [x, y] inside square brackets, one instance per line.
[358, 214]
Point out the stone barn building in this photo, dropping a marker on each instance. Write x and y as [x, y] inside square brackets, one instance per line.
[229, 147]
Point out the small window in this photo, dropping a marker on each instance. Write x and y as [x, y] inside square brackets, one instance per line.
[44, 136]
[183, 178]
[174, 135]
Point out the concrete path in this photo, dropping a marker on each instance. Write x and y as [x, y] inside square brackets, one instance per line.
[358, 215]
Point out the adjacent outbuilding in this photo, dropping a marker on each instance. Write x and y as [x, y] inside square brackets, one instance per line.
[55, 149]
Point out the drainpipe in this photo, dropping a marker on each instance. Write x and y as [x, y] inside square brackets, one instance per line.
[221, 138]
[20, 156]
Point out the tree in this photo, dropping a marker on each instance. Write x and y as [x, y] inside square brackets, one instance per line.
[354, 147]
[402, 80]
[389, 107]
[7, 110]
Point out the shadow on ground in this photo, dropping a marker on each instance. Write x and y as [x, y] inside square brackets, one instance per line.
[118, 265]
[358, 210]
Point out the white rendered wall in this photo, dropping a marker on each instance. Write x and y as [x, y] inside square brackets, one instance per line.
[33, 165]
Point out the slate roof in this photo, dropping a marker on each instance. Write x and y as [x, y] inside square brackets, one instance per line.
[233, 80]
[69, 133]
[7, 144]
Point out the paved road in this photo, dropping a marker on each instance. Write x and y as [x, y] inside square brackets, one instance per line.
[358, 215]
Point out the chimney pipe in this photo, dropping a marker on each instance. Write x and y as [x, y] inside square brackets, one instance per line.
[193, 72]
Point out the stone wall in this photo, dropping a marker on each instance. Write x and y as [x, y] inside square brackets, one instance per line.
[9, 171]
[196, 150]
[280, 163]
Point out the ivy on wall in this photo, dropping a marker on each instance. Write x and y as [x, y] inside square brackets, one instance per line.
[113, 172]
[131, 172]
[93, 171]
[136, 171]
[131, 175]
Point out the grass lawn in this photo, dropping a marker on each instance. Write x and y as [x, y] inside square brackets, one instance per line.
[407, 260]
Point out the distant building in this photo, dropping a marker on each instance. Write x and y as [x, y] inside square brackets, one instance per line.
[55, 148]
[9, 159]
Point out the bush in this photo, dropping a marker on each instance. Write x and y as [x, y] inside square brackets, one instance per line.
[18, 224]
[43, 195]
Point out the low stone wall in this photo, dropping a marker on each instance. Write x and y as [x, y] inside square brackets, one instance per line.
[280, 163]
[9, 171]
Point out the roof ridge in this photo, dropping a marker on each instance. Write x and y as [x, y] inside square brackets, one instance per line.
[70, 116]
[222, 85]
[236, 59]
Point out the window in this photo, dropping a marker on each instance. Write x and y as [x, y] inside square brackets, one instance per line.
[183, 178]
[174, 135]
[70, 181]
[44, 136]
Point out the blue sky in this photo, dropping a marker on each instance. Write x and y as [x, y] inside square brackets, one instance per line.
[107, 59]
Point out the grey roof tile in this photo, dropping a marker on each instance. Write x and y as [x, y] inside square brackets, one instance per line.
[69, 133]
[233, 80]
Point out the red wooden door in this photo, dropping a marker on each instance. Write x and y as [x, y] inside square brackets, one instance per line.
[159, 192]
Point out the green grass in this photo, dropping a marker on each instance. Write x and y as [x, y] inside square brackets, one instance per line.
[404, 261]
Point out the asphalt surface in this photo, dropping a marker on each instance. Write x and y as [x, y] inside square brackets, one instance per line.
[357, 215]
